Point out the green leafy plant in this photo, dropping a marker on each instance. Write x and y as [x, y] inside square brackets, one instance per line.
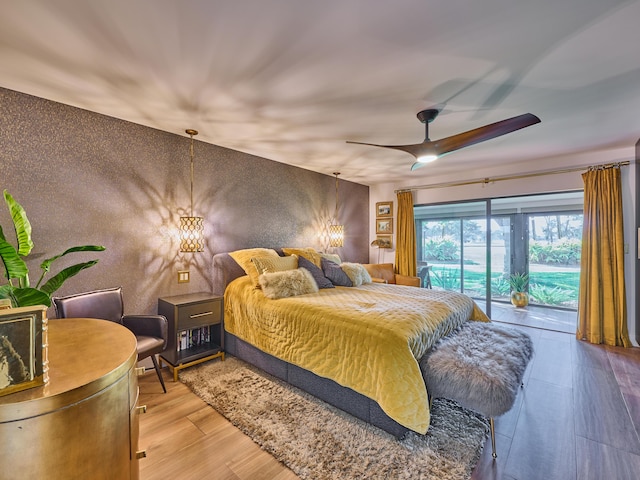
[500, 286]
[565, 252]
[18, 288]
[447, 278]
[518, 282]
[550, 295]
[442, 250]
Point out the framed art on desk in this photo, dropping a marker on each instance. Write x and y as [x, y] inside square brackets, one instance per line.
[23, 348]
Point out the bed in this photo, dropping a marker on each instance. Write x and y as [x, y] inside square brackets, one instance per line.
[355, 347]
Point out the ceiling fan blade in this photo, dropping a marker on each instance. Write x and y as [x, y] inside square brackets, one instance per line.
[482, 134]
[412, 149]
[417, 165]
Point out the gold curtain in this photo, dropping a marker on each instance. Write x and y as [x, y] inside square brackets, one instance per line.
[406, 236]
[602, 308]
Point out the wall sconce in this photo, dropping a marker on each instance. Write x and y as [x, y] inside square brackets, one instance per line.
[191, 228]
[336, 231]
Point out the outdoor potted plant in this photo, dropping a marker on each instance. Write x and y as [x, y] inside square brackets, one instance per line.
[18, 288]
[519, 295]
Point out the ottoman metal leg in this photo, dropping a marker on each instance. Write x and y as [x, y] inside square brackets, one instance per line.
[493, 438]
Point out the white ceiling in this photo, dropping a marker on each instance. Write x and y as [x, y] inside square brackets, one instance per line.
[292, 80]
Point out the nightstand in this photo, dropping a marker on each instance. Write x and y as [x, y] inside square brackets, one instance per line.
[196, 331]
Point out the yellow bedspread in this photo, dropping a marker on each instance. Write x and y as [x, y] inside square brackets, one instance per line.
[367, 338]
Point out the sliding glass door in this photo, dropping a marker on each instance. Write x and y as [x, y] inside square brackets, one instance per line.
[474, 247]
[452, 243]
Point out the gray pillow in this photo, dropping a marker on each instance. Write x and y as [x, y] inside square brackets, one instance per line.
[334, 273]
[316, 273]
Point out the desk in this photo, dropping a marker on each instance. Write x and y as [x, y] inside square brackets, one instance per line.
[82, 424]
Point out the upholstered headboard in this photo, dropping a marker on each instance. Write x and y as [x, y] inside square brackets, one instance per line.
[225, 270]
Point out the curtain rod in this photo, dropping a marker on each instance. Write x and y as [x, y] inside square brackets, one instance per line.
[512, 177]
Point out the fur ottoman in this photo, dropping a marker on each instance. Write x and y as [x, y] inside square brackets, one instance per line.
[480, 366]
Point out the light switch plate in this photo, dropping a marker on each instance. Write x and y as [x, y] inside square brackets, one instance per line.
[183, 276]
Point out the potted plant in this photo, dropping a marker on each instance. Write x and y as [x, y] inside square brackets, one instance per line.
[518, 283]
[18, 288]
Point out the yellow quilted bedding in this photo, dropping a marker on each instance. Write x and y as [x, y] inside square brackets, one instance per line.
[367, 338]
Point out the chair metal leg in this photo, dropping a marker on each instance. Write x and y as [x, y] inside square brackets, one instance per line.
[157, 367]
[493, 438]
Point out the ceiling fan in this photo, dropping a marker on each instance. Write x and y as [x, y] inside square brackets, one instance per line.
[428, 151]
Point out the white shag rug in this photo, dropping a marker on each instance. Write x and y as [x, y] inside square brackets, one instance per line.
[318, 441]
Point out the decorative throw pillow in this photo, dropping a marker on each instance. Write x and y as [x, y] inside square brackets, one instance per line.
[243, 258]
[334, 273]
[308, 253]
[316, 273]
[334, 257]
[287, 283]
[356, 273]
[272, 264]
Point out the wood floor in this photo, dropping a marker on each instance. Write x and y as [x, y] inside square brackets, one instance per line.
[578, 417]
[186, 439]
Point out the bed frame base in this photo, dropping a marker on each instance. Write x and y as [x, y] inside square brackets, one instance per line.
[323, 388]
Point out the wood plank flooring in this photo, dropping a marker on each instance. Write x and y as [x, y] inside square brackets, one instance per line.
[186, 439]
[578, 417]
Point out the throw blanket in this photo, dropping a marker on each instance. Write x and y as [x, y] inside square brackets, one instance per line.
[367, 338]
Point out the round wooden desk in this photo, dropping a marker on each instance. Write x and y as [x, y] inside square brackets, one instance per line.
[82, 424]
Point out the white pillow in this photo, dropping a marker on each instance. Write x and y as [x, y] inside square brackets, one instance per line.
[287, 283]
[356, 273]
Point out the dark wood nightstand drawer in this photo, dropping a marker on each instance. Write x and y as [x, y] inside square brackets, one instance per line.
[192, 316]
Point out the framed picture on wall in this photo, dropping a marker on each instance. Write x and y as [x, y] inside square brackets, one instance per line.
[384, 225]
[384, 209]
[384, 241]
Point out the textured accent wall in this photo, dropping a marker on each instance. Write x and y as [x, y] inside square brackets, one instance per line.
[85, 178]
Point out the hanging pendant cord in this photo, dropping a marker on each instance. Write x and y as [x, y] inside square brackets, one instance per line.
[191, 154]
[335, 213]
[191, 134]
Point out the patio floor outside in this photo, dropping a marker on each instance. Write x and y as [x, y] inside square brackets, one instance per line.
[534, 316]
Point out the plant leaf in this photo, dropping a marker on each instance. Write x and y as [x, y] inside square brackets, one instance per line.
[57, 280]
[14, 266]
[26, 297]
[21, 224]
[46, 265]
[6, 291]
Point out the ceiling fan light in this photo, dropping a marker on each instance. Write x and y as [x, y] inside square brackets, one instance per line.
[427, 158]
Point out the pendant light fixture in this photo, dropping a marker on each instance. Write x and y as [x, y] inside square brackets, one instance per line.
[191, 228]
[336, 231]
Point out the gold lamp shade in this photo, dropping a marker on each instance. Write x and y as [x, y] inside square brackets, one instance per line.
[336, 235]
[191, 234]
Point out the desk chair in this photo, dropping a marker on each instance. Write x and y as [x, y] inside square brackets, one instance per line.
[151, 331]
